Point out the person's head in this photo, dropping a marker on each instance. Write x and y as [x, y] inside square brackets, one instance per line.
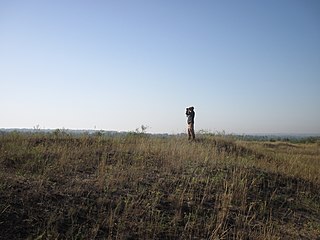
[191, 108]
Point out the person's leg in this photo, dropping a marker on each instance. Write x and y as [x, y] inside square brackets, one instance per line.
[189, 131]
[192, 131]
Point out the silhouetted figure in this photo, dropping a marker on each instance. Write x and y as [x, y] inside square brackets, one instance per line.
[190, 120]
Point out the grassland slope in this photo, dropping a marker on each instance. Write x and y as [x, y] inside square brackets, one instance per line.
[56, 186]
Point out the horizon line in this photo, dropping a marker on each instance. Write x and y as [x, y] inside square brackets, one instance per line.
[128, 131]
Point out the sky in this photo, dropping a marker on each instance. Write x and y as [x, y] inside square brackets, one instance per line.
[246, 66]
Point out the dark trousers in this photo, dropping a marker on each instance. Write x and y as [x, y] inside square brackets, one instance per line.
[191, 131]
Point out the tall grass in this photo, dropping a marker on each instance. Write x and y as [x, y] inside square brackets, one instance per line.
[57, 186]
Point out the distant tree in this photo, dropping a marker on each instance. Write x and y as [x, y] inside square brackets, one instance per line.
[142, 129]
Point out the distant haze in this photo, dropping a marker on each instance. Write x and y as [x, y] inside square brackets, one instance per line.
[246, 66]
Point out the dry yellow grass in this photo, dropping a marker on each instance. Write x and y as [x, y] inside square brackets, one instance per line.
[56, 186]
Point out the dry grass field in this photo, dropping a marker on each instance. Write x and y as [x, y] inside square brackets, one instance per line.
[57, 186]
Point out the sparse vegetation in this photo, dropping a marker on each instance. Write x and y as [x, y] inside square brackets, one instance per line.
[59, 186]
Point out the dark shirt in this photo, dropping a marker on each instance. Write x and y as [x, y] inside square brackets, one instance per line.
[190, 115]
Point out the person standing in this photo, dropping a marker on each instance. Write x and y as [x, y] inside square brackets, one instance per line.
[190, 113]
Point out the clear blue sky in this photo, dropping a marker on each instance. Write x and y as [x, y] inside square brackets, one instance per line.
[246, 66]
